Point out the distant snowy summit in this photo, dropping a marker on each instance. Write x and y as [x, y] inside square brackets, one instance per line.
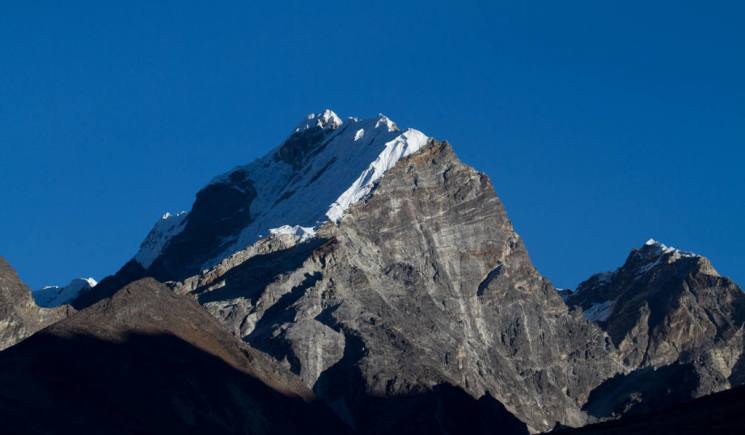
[599, 294]
[325, 166]
[53, 296]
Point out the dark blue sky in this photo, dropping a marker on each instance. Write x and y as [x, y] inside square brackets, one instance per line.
[601, 124]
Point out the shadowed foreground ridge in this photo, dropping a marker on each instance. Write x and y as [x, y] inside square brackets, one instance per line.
[719, 413]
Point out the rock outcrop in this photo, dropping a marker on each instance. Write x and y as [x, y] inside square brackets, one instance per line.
[19, 315]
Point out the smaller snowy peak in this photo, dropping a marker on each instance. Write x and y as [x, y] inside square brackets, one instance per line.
[168, 226]
[661, 248]
[324, 120]
[654, 253]
[384, 121]
[53, 296]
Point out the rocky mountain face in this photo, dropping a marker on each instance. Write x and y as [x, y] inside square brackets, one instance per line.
[677, 324]
[422, 284]
[19, 315]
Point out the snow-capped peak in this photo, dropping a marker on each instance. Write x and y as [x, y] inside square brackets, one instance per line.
[649, 256]
[654, 253]
[325, 119]
[54, 296]
[385, 121]
[658, 248]
[324, 167]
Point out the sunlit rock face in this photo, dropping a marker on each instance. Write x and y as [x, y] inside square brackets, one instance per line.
[423, 283]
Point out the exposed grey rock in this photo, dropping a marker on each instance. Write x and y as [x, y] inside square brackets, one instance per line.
[19, 315]
[422, 284]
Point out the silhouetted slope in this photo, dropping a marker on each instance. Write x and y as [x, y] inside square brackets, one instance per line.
[720, 413]
[148, 361]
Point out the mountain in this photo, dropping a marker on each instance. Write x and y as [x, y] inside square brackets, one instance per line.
[424, 282]
[53, 296]
[677, 324]
[19, 315]
[378, 271]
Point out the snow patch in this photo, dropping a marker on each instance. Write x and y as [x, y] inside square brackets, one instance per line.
[53, 296]
[359, 134]
[304, 233]
[405, 144]
[599, 312]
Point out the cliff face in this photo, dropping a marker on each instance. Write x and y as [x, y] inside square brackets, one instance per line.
[19, 315]
[422, 284]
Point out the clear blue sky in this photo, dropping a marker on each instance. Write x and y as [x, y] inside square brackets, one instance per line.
[601, 124]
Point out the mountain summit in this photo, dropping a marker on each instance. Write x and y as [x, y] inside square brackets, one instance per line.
[322, 168]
